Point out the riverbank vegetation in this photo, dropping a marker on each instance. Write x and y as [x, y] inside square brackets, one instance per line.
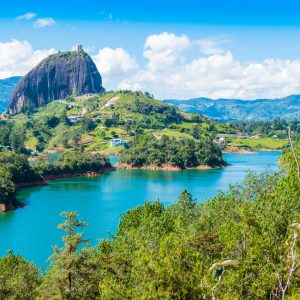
[149, 150]
[16, 172]
[242, 244]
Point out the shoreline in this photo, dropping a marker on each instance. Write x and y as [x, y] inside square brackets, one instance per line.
[62, 176]
[252, 151]
[5, 207]
[168, 167]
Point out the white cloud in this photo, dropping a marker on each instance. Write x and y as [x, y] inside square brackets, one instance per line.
[18, 57]
[162, 50]
[171, 72]
[209, 46]
[114, 63]
[43, 22]
[173, 69]
[27, 16]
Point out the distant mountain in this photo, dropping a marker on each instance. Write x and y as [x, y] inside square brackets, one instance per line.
[6, 87]
[234, 109]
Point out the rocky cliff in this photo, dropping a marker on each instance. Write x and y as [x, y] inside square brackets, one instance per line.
[56, 77]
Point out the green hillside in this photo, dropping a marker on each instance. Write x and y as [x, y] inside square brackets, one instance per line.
[90, 122]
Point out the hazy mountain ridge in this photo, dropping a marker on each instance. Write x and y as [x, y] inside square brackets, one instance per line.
[6, 87]
[236, 109]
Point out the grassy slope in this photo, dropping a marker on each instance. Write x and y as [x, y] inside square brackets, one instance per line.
[93, 107]
[124, 105]
[262, 143]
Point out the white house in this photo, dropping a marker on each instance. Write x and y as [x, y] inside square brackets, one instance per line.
[74, 118]
[256, 137]
[117, 142]
[221, 141]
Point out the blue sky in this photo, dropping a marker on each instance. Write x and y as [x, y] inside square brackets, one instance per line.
[252, 32]
[233, 12]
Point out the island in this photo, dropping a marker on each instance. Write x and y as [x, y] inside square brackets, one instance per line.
[168, 153]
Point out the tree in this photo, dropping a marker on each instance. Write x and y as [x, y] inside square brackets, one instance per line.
[196, 132]
[107, 122]
[65, 142]
[7, 190]
[17, 141]
[76, 140]
[186, 201]
[70, 276]
[19, 279]
[102, 135]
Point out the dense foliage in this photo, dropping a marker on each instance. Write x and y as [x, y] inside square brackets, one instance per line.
[276, 127]
[73, 162]
[15, 170]
[19, 279]
[147, 150]
[242, 244]
[98, 119]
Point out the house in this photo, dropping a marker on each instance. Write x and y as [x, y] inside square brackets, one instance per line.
[74, 118]
[244, 136]
[221, 141]
[256, 137]
[117, 142]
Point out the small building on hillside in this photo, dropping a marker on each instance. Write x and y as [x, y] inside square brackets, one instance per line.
[256, 137]
[74, 118]
[243, 135]
[221, 141]
[117, 142]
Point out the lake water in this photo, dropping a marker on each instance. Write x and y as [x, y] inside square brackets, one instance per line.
[32, 231]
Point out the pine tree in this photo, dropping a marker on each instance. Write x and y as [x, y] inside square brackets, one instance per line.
[72, 267]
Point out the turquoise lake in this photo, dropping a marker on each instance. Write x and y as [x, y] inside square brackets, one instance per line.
[32, 231]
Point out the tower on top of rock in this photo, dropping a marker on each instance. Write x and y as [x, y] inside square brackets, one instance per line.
[79, 48]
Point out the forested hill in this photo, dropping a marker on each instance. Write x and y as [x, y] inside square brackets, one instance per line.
[6, 87]
[92, 122]
[225, 110]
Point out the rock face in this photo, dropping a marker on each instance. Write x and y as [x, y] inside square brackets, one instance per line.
[56, 77]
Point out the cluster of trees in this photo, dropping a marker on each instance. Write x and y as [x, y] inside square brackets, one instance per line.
[72, 162]
[167, 114]
[242, 244]
[276, 127]
[149, 150]
[15, 170]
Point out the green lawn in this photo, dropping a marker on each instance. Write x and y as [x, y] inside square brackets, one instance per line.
[263, 143]
[31, 143]
[172, 133]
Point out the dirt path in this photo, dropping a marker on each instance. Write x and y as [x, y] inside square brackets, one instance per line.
[110, 102]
